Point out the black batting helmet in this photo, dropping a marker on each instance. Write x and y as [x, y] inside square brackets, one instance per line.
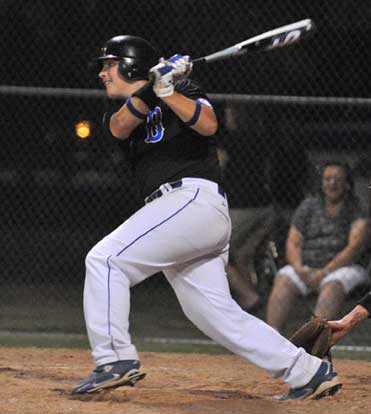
[135, 55]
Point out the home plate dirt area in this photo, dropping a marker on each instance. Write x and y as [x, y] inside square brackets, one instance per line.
[38, 381]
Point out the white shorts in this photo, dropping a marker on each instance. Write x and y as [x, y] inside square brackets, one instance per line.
[349, 276]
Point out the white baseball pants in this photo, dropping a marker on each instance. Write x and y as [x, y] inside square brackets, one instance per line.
[185, 234]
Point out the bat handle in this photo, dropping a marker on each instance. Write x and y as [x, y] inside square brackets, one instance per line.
[199, 60]
[152, 78]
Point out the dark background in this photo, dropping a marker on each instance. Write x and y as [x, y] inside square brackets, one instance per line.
[49, 43]
[61, 194]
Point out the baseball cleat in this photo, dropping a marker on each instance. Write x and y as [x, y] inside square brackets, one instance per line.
[324, 383]
[110, 376]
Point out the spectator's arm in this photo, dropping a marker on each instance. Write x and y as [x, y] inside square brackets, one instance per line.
[294, 245]
[356, 240]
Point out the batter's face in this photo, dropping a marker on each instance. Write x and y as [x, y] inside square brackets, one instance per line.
[115, 85]
[334, 183]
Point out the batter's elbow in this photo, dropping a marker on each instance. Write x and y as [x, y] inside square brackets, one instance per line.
[213, 128]
[208, 128]
[119, 134]
[118, 130]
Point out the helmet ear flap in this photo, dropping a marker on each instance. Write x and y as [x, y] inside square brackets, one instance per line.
[128, 69]
[123, 70]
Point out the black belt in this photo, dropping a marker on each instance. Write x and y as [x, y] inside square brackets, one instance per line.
[175, 184]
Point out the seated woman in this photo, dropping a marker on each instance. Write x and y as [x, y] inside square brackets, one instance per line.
[323, 247]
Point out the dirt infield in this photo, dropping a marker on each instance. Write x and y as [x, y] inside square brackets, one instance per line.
[37, 381]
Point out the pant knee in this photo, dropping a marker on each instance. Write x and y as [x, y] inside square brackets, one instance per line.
[98, 258]
[92, 256]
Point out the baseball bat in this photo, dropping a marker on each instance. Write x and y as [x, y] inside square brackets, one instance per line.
[279, 37]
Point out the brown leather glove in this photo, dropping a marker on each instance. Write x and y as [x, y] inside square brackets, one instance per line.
[315, 337]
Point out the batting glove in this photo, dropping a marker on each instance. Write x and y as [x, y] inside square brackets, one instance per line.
[168, 71]
[182, 65]
[163, 74]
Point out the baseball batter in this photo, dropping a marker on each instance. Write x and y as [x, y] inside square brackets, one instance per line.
[183, 229]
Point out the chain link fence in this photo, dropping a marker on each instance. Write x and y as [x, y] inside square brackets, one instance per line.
[281, 114]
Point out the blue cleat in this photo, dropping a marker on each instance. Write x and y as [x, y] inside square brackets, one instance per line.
[324, 383]
[109, 376]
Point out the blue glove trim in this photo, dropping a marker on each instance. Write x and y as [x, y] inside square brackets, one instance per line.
[165, 69]
[175, 58]
[134, 111]
[196, 114]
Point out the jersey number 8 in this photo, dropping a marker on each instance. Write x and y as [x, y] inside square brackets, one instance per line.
[154, 127]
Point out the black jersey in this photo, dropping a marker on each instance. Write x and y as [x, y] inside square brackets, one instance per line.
[164, 149]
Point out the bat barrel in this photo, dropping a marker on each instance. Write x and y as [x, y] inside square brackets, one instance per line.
[279, 37]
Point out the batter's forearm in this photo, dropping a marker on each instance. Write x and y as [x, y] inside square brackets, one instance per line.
[125, 120]
[185, 108]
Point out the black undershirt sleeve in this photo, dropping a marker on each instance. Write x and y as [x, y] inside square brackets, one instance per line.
[366, 303]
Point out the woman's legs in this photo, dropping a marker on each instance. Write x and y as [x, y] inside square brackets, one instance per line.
[281, 299]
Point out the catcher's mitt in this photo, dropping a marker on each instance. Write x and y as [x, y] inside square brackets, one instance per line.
[315, 337]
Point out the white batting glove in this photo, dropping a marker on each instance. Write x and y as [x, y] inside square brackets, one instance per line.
[163, 74]
[182, 64]
[167, 71]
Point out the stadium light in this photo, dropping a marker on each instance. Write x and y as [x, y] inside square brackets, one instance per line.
[83, 129]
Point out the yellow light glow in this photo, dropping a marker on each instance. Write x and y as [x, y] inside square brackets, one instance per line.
[83, 129]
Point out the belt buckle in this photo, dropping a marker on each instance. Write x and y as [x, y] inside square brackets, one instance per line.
[165, 188]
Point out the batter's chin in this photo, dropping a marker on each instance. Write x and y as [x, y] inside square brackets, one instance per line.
[111, 94]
